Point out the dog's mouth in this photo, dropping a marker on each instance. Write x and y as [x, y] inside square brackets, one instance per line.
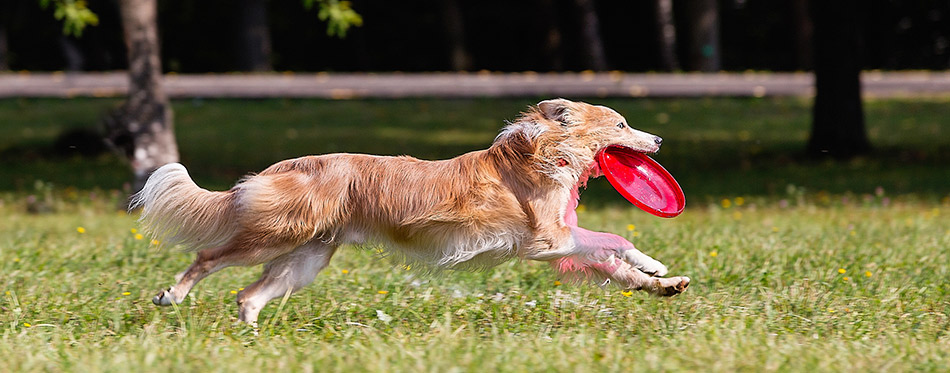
[651, 149]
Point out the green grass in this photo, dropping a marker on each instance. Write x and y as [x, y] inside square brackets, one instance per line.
[767, 294]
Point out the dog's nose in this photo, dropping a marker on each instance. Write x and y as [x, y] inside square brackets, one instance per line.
[658, 140]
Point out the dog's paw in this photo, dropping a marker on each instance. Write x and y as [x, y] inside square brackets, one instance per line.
[666, 287]
[164, 298]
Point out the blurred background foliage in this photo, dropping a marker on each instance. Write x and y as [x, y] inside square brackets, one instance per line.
[422, 35]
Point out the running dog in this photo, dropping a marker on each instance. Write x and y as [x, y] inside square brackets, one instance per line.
[515, 199]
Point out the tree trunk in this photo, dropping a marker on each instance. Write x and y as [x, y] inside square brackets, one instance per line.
[666, 35]
[590, 35]
[4, 48]
[803, 34]
[455, 32]
[75, 61]
[142, 127]
[703, 47]
[553, 54]
[837, 116]
[254, 47]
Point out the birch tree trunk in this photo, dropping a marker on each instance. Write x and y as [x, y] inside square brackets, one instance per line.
[141, 129]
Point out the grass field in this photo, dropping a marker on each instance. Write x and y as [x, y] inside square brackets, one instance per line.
[797, 264]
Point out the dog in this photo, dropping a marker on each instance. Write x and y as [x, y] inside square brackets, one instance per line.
[515, 199]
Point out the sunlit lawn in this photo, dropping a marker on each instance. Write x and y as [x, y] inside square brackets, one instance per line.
[797, 264]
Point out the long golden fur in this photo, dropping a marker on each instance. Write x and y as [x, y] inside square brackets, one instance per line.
[514, 199]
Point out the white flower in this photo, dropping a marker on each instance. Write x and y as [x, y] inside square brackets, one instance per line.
[382, 316]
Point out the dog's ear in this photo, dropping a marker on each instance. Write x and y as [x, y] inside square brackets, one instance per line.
[555, 109]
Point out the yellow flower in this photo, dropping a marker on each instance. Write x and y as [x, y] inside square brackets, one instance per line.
[852, 233]
[7, 293]
[740, 201]
[134, 231]
[636, 234]
[631, 227]
[383, 292]
[774, 229]
[26, 324]
[233, 291]
[16, 260]
[239, 289]
[81, 230]
[842, 270]
[557, 283]
[714, 253]
[126, 293]
[345, 271]
[831, 310]
[726, 203]
[737, 215]
[867, 273]
[155, 242]
[626, 293]
[846, 278]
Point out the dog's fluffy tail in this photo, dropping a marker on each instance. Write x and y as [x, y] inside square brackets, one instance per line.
[177, 211]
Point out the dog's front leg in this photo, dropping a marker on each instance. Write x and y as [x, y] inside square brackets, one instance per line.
[599, 246]
[629, 277]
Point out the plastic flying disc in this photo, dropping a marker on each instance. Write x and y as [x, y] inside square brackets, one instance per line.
[642, 181]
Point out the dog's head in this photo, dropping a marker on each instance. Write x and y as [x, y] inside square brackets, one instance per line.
[595, 126]
[563, 137]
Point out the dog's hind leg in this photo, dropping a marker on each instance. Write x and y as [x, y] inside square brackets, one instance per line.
[206, 262]
[289, 272]
[239, 251]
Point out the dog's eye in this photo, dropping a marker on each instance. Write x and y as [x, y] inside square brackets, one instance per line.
[621, 125]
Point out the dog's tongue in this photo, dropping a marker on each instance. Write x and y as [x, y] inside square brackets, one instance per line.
[642, 181]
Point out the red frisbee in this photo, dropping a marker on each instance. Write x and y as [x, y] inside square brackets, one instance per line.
[642, 181]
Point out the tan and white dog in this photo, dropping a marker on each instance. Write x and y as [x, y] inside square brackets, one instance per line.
[515, 199]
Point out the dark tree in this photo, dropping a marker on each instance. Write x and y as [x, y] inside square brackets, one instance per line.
[4, 48]
[666, 35]
[141, 129]
[837, 116]
[803, 30]
[552, 51]
[75, 60]
[253, 36]
[455, 33]
[590, 35]
[703, 43]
